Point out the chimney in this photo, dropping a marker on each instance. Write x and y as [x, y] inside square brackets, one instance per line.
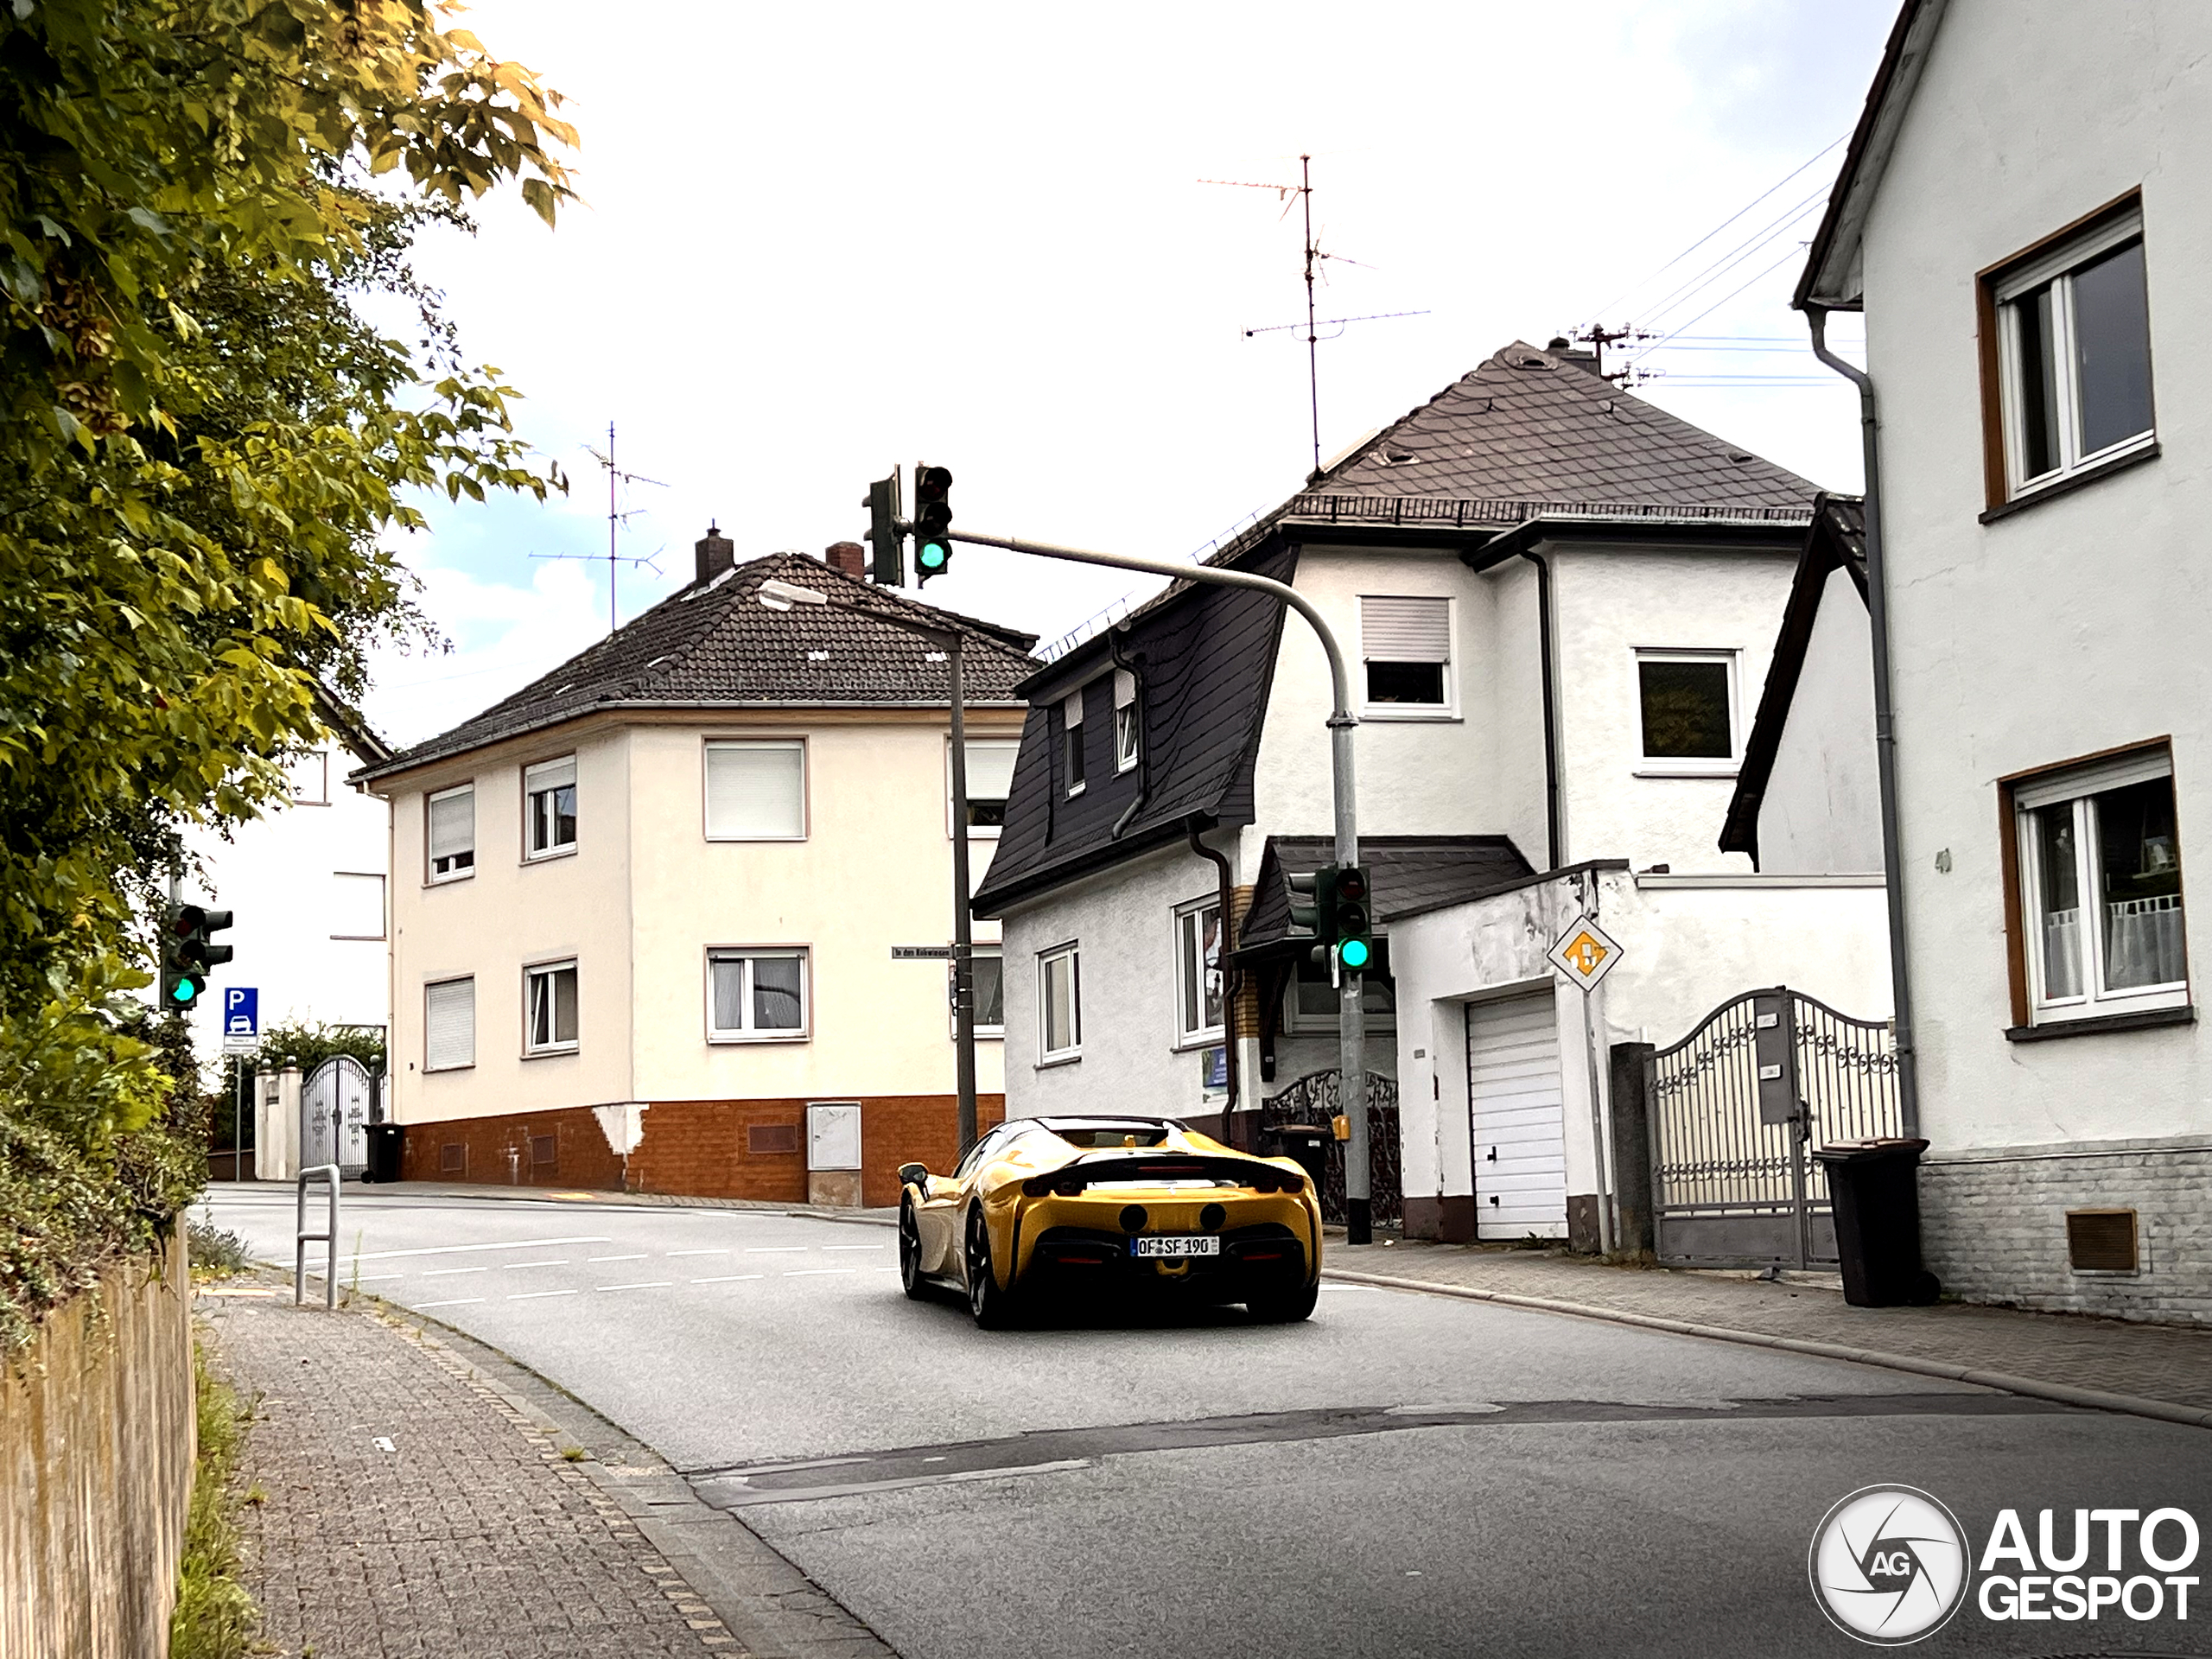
[848, 557]
[716, 553]
[1566, 350]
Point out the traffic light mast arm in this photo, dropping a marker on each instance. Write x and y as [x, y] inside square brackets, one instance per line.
[1340, 716]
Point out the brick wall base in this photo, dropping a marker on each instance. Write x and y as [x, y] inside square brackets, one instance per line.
[695, 1149]
[1994, 1226]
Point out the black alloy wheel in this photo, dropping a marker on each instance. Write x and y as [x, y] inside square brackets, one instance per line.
[992, 1306]
[1287, 1307]
[910, 1253]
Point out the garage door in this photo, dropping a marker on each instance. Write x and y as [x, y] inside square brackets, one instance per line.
[1515, 1107]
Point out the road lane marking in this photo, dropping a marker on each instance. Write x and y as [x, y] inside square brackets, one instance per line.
[855, 1247]
[722, 1252]
[729, 1278]
[638, 1257]
[816, 1272]
[643, 1284]
[448, 1273]
[459, 1249]
[776, 1249]
[458, 1301]
[376, 1278]
[532, 1296]
[518, 1266]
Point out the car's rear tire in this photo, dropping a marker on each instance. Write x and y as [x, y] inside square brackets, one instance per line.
[1287, 1308]
[910, 1254]
[993, 1308]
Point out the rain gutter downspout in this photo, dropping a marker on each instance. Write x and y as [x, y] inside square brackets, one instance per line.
[1885, 738]
[1231, 975]
[1553, 836]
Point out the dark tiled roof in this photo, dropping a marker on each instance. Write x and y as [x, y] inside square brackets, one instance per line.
[1203, 671]
[717, 647]
[1838, 537]
[1532, 427]
[1410, 873]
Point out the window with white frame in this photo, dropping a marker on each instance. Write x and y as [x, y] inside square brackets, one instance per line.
[2100, 887]
[1405, 647]
[310, 779]
[1129, 721]
[1312, 1001]
[989, 969]
[449, 1025]
[356, 905]
[1687, 709]
[2074, 355]
[550, 808]
[1198, 972]
[1071, 741]
[451, 815]
[756, 790]
[756, 996]
[990, 780]
[550, 1009]
[1059, 1003]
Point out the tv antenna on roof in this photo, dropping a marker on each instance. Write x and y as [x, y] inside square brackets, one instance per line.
[615, 519]
[1303, 193]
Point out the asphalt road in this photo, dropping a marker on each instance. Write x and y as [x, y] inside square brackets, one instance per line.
[1404, 1475]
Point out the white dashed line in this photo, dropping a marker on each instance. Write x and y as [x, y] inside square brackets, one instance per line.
[458, 1301]
[816, 1272]
[562, 1263]
[461, 1249]
[532, 1296]
[376, 1278]
[638, 1257]
[644, 1284]
[722, 1252]
[776, 1249]
[729, 1278]
[855, 1247]
[446, 1273]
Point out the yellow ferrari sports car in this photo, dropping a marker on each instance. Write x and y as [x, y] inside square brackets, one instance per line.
[1044, 1209]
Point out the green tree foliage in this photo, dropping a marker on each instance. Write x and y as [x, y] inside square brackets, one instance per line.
[206, 445]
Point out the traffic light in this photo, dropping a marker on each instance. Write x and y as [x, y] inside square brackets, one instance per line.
[1351, 922]
[932, 521]
[1304, 904]
[187, 953]
[885, 533]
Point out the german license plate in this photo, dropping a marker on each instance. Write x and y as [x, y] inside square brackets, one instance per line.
[1173, 1247]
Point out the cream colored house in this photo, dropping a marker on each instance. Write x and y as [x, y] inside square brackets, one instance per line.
[649, 911]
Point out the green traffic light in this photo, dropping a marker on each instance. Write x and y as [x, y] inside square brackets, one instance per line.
[1354, 953]
[931, 555]
[182, 991]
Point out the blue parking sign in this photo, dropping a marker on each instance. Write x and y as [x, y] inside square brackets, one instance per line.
[241, 1011]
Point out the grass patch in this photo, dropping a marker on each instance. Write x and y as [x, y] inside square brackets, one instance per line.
[214, 1253]
[215, 1618]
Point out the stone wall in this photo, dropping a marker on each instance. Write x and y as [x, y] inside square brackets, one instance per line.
[97, 1437]
[1994, 1226]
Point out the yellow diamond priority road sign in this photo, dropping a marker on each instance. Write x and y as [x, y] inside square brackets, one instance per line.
[1585, 953]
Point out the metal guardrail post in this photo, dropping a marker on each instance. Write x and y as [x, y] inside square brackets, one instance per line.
[301, 1237]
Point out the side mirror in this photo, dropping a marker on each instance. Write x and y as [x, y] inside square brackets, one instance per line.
[915, 1175]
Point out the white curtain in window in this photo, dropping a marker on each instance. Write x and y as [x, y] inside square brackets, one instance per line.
[755, 792]
[452, 823]
[729, 992]
[2142, 942]
[777, 994]
[1405, 630]
[449, 1025]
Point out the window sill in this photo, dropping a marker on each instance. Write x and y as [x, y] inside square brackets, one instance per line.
[468, 874]
[1075, 792]
[1191, 1042]
[747, 1039]
[754, 841]
[1661, 769]
[438, 1072]
[1050, 1060]
[1397, 711]
[2065, 486]
[550, 854]
[2090, 1025]
[566, 1052]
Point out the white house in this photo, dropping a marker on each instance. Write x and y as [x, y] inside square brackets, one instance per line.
[2023, 219]
[1556, 597]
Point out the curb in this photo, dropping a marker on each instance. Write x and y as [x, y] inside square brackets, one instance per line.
[2033, 1387]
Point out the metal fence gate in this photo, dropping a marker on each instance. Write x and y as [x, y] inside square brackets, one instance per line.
[1312, 1099]
[334, 1117]
[1737, 1109]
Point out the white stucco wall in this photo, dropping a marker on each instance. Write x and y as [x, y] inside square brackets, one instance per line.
[2077, 623]
[1822, 812]
[276, 873]
[1687, 944]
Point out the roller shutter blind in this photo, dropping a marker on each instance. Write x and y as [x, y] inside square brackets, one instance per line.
[756, 791]
[1405, 630]
[449, 1025]
[453, 830]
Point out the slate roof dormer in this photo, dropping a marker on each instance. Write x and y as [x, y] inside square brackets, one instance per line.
[714, 645]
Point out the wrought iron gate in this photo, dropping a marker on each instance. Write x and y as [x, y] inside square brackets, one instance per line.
[1312, 1099]
[334, 1115]
[1737, 1107]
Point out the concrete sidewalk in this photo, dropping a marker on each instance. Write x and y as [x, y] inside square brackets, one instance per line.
[412, 1499]
[2161, 1371]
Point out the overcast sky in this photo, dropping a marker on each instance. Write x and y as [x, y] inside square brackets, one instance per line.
[818, 240]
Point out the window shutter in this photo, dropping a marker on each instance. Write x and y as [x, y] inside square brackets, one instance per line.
[1405, 630]
[754, 792]
[553, 774]
[990, 770]
[449, 1027]
[1072, 709]
[452, 823]
[1125, 688]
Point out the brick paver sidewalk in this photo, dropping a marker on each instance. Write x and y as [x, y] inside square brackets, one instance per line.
[2166, 1363]
[411, 1510]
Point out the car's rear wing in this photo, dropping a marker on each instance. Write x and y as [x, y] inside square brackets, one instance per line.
[1152, 1165]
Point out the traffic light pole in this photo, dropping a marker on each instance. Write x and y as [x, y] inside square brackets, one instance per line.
[1351, 1014]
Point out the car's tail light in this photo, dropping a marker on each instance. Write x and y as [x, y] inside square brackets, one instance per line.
[1292, 1184]
[1038, 1185]
[1063, 1185]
